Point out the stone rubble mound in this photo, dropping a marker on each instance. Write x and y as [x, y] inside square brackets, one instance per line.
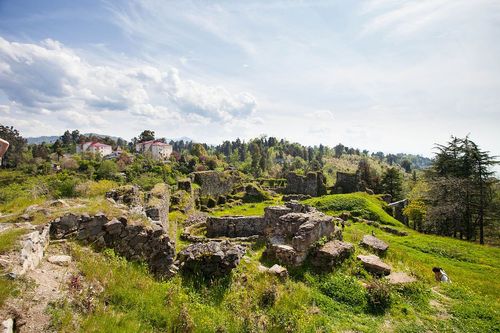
[211, 258]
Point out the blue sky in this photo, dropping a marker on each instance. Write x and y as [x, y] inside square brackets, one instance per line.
[390, 75]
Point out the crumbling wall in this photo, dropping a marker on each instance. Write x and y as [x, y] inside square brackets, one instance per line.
[346, 183]
[313, 184]
[290, 231]
[154, 204]
[150, 244]
[215, 183]
[235, 226]
[33, 246]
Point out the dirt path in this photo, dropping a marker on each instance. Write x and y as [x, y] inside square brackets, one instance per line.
[439, 304]
[46, 284]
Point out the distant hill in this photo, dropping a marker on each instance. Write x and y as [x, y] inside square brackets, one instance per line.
[52, 138]
[40, 139]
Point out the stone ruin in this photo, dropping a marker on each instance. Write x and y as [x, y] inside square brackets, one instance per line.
[347, 183]
[211, 259]
[290, 231]
[215, 183]
[313, 184]
[150, 244]
[397, 210]
[153, 205]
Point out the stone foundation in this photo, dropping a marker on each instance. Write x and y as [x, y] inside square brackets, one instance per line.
[313, 184]
[150, 244]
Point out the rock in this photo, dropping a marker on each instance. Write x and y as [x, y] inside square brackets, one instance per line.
[113, 227]
[279, 271]
[153, 213]
[8, 326]
[374, 265]
[374, 243]
[400, 278]
[295, 197]
[394, 231]
[61, 260]
[211, 258]
[59, 203]
[263, 269]
[332, 253]
[345, 216]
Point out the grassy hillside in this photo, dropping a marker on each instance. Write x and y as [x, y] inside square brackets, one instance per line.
[251, 301]
[358, 204]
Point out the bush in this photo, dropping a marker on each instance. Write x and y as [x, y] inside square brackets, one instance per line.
[378, 296]
[268, 297]
[95, 189]
[107, 170]
[63, 186]
[344, 289]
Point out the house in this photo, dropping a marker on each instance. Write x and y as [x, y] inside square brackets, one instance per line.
[158, 150]
[94, 147]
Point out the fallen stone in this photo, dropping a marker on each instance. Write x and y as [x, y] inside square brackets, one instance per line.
[374, 265]
[61, 260]
[332, 253]
[263, 269]
[279, 271]
[374, 243]
[211, 258]
[394, 231]
[400, 278]
[8, 326]
[59, 203]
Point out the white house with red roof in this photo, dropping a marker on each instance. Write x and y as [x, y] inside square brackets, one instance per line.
[158, 150]
[94, 147]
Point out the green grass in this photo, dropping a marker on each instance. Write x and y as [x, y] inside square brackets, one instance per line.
[249, 209]
[9, 239]
[358, 204]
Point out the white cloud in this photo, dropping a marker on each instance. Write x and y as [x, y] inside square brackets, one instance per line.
[5, 109]
[409, 16]
[49, 77]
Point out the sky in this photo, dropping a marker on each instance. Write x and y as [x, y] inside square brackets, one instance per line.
[382, 75]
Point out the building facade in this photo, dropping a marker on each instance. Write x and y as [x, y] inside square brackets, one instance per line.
[157, 149]
[94, 147]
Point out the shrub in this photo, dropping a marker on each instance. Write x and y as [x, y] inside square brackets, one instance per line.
[107, 170]
[268, 297]
[344, 289]
[378, 296]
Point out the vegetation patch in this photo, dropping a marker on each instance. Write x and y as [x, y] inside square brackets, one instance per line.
[360, 204]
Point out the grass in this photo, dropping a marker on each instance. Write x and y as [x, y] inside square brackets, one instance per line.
[358, 204]
[250, 209]
[9, 239]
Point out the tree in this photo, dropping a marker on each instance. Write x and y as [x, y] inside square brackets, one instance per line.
[392, 183]
[463, 172]
[75, 136]
[14, 156]
[406, 165]
[107, 170]
[339, 149]
[146, 135]
[66, 138]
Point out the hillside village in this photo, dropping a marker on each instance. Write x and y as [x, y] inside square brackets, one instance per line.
[145, 235]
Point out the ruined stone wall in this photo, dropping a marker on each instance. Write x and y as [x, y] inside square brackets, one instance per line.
[33, 247]
[346, 183]
[312, 184]
[235, 226]
[135, 242]
[215, 183]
